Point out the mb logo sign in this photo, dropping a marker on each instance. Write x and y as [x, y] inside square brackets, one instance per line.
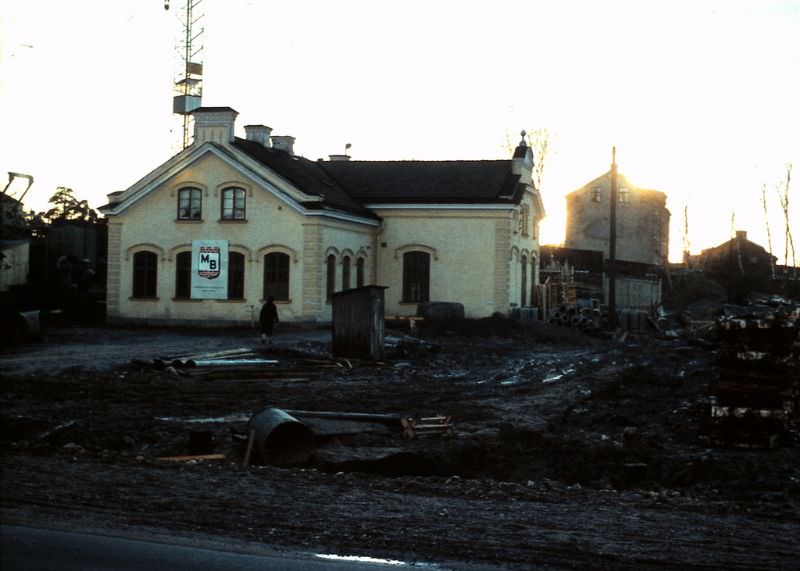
[209, 265]
[209, 269]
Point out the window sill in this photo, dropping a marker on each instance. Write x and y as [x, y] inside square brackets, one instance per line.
[188, 221]
[231, 221]
[230, 300]
[278, 301]
[186, 299]
[143, 298]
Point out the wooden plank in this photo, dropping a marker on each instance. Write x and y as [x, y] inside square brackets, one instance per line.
[249, 451]
[192, 457]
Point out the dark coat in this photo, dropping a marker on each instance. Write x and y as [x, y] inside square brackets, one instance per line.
[268, 316]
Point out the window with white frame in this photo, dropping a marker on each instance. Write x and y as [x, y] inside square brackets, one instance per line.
[233, 204]
[190, 201]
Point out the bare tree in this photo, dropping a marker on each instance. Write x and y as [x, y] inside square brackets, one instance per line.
[769, 232]
[783, 197]
[540, 142]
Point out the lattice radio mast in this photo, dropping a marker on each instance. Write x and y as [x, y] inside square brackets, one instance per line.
[188, 85]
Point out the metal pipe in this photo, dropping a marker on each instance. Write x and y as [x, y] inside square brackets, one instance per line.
[280, 439]
[228, 362]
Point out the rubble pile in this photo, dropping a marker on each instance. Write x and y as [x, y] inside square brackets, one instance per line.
[754, 401]
[588, 318]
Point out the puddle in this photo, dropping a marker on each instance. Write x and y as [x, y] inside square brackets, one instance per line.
[554, 376]
[359, 559]
[378, 561]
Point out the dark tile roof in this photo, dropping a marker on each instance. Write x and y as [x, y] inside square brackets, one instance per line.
[427, 181]
[348, 185]
[214, 109]
[306, 175]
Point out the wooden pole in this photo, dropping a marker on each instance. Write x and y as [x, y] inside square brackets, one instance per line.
[612, 245]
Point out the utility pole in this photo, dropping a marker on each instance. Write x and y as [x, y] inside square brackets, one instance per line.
[612, 245]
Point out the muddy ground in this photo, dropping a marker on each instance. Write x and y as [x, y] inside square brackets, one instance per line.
[568, 452]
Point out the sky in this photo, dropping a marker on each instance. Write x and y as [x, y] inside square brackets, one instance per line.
[701, 98]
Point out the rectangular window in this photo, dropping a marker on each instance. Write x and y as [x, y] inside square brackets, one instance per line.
[145, 276]
[416, 276]
[524, 219]
[235, 275]
[233, 203]
[360, 272]
[330, 275]
[189, 204]
[596, 194]
[276, 276]
[346, 272]
[183, 270]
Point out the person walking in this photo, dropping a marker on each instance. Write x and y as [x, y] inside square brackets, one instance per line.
[268, 317]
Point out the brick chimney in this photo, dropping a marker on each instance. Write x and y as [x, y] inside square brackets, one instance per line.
[258, 133]
[741, 235]
[214, 125]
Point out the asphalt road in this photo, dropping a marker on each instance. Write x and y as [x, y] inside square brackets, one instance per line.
[24, 548]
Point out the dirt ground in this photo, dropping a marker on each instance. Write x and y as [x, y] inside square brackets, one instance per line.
[568, 452]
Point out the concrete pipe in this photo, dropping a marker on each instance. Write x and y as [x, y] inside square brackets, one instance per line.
[280, 439]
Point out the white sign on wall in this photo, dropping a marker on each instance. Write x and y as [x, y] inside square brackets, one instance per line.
[209, 269]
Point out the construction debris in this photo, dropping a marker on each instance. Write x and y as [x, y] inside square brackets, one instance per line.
[278, 438]
[192, 457]
[754, 403]
[426, 426]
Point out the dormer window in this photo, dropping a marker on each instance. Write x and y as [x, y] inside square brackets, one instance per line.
[190, 204]
[233, 203]
[596, 194]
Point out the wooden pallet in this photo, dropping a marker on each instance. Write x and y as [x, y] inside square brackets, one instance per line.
[414, 427]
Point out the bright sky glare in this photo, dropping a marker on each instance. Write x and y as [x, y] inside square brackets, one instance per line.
[700, 97]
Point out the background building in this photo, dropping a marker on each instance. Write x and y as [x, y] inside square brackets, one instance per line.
[642, 220]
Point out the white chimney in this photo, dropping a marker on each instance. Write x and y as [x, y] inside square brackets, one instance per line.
[522, 161]
[258, 133]
[214, 125]
[283, 143]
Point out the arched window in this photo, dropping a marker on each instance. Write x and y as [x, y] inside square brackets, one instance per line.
[233, 204]
[360, 272]
[523, 265]
[190, 204]
[276, 276]
[416, 276]
[145, 274]
[235, 275]
[346, 272]
[330, 276]
[183, 275]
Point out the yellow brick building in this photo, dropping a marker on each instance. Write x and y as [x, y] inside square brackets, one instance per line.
[299, 230]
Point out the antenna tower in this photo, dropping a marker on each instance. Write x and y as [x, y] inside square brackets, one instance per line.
[188, 84]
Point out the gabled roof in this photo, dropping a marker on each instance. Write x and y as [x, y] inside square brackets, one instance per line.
[348, 187]
[427, 181]
[604, 180]
[305, 175]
